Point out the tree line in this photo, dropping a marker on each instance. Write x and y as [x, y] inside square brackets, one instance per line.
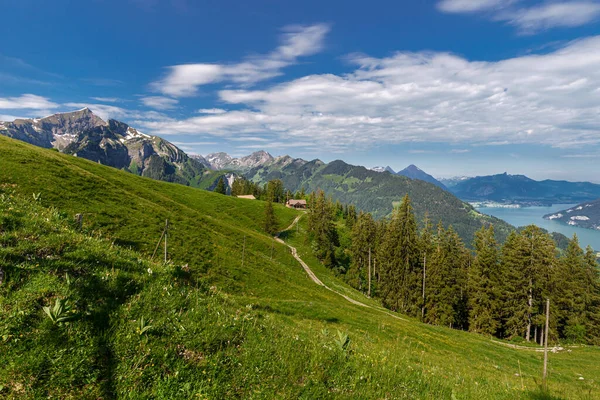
[273, 190]
[427, 272]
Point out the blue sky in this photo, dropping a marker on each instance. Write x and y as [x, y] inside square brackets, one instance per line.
[458, 87]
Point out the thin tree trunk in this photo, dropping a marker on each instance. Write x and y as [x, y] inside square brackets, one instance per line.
[369, 290]
[166, 235]
[424, 275]
[530, 304]
[544, 378]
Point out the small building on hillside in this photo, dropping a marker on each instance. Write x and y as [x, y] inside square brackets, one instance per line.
[246, 196]
[297, 204]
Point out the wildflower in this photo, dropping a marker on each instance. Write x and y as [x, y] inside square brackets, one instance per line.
[150, 271]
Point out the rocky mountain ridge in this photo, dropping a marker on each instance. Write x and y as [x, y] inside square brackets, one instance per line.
[83, 134]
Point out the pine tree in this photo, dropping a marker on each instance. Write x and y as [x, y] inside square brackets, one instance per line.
[529, 263]
[400, 262]
[446, 295]
[483, 284]
[270, 220]
[275, 191]
[592, 297]
[569, 293]
[514, 287]
[322, 230]
[362, 248]
[221, 187]
[427, 248]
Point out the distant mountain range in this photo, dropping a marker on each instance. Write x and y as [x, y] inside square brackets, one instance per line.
[585, 215]
[376, 192]
[519, 189]
[113, 143]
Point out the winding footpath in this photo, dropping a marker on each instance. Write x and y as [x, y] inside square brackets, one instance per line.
[316, 280]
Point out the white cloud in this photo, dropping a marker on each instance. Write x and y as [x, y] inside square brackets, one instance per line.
[211, 111]
[159, 102]
[551, 15]
[549, 99]
[27, 101]
[469, 6]
[106, 99]
[184, 80]
[528, 20]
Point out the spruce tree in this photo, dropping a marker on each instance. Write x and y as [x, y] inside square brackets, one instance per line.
[514, 296]
[569, 293]
[363, 245]
[592, 297]
[400, 262]
[427, 248]
[270, 219]
[447, 276]
[221, 188]
[483, 284]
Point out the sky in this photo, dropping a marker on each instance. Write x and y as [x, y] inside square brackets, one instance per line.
[457, 87]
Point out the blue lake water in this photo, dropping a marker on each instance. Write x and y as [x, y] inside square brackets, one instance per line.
[533, 215]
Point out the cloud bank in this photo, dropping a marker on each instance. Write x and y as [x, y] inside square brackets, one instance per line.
[551, 99]
[528, 20]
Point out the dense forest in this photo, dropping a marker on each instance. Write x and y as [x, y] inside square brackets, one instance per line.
[429, 273]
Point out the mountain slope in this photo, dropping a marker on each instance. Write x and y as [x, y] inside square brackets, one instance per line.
[112, 143]
[521, 189]
[585, 215]
[414, 172]
[377, 193]
[233, 316]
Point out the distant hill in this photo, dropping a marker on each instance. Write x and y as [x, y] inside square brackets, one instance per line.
[113, 143]
[377, 192]
[585, 215]
[414, 172]
[521, 189]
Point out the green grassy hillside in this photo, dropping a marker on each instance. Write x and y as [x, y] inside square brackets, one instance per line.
[227, 320]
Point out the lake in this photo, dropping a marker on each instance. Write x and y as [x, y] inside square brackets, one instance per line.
[533, 215]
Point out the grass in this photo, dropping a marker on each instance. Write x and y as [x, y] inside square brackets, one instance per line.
[215, 328]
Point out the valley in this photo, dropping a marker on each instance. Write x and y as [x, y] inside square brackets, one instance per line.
[253, 328]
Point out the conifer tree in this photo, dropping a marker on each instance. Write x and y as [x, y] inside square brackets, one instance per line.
[427, 247]
[322, 229]
[569, 293]
[483, 284]
[221, 188]
[592, 297]
[400, 262]
[514, 288]
[363, 246]
[270, 219]
[527, 259]
[446, 294]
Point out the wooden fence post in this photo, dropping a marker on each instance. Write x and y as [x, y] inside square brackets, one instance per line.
[79, 221]
[545, 376]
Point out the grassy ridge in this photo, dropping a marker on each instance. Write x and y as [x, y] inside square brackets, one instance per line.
[261, 330]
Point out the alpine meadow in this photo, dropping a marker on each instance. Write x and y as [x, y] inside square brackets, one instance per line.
[300, 200]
